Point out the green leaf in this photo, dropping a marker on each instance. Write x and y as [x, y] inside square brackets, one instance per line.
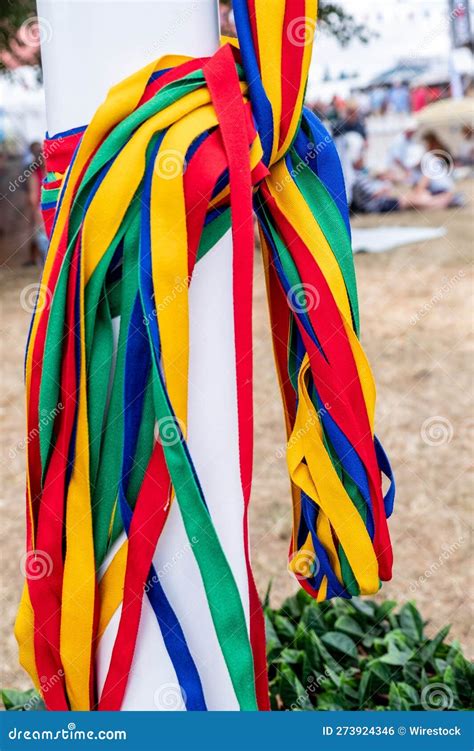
[313, 653]
[429, 650]
[331, 701]
[341, 643]
[364, 688]
[380, 677]
[397, 656]
[365, 607]
[349, 626]
[266, 599]
[291, 608]
[384, 609]
[411, 622]
[273, 642]
[284, 628]
[396, 700]
[313, 619]
[291, 656]
[291, 691]
[14, 700]
[409, 693]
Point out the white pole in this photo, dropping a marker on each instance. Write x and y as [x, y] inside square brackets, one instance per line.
[88, 46]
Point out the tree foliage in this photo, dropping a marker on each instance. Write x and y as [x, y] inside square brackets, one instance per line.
[13, 13]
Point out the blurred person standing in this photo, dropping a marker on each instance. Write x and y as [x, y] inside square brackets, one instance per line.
[377, 100]
[372, 195]
[34, 172]
[465, 156]
[418, 98]
[351, 121]
[399, 98]
[398, 153]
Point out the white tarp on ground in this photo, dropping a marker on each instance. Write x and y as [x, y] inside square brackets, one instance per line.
[380, 239]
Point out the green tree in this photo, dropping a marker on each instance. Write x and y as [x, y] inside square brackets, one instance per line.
[13, 13]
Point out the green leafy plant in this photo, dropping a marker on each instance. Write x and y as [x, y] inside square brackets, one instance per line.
[21, 700]
[360, 654]
[349, 654]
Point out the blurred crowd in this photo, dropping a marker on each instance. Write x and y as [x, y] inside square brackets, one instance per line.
[420, 167]
[395, 98]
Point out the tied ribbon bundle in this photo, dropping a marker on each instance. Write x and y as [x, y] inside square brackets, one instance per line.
[178, 153]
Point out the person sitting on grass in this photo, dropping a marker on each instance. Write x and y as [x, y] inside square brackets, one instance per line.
[372, 195]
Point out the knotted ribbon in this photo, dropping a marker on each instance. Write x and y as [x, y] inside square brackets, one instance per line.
[177, 154]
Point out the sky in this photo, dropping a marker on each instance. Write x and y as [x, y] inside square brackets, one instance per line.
[405, 28]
